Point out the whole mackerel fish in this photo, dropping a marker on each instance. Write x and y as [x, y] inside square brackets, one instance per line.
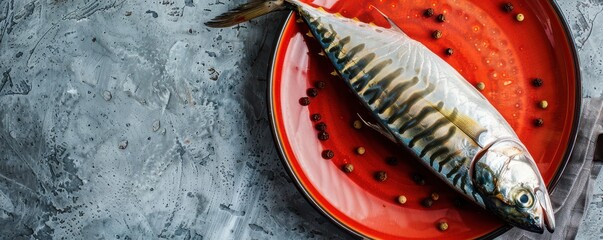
[423, 103]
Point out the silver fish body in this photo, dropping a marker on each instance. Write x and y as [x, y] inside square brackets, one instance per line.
[424, 104]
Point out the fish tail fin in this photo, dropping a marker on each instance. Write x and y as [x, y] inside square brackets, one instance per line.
[246, 12]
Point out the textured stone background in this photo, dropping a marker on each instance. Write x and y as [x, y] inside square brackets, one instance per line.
[83, 79]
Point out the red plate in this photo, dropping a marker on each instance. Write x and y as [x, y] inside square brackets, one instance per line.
[490, 46]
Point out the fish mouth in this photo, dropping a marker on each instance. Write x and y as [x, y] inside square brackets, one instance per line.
[548, 219]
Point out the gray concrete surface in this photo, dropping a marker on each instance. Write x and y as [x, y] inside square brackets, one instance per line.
[131, 120]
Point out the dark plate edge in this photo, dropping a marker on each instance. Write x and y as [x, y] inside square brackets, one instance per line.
[491, 235]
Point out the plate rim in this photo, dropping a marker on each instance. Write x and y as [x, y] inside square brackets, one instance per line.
[499, 231]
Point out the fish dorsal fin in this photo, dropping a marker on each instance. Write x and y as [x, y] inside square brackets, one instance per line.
[465, 123]
[392, 24]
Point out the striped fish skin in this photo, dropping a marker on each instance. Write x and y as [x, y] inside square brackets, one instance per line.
[427, 106]
[430, 108]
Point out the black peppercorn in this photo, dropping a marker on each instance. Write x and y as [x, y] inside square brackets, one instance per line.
[507, 7]
[304, 101]
[458, 202]
[327, 154]
[538, 122]
[320, 84]
[392, 161]
[449, 51]
[323, 136]
[321, 126]
[537, 82]
[441, 18]
[418, 179]
[312, 92]
[428, 12]
[437, 34]
[380, 176]
[427, 202]
[315, 117]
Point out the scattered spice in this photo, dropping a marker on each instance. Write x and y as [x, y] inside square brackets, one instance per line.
[441, 18]
[538, 122]
[123, 144]
[381, 176]
[304, 101]
[190, 30]
[315, 117]
[434, 196]
[360, 150]
[128, 13]
[537, 82]
[312, 92]
[348, 168]
[93, 39]
[427, 202]
[392, 161]
[357, 124]
[449, 51]
[443, 226]
[519, 17]
[321, 126]
[328, 154]
[402, 199]
[320, 84]
[543, 104]
[107, 95]
[437, 34]
[507, 7]
[480, 86]
[428, 12]
[323, 136]
[418, 179]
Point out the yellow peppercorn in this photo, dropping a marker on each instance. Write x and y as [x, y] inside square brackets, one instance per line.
[519, 17]
[348, 168]
[543, 104]
[360, 150]
[357, 124]
[435, 196]
[480, 86]
[443, 226]
[402, 199]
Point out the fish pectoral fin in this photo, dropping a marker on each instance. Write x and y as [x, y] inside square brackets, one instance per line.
[378, 129]
[393, 25]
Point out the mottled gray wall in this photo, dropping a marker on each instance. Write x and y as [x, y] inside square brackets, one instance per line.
[130, 119]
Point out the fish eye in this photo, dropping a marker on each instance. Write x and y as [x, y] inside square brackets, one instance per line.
[524, 199]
